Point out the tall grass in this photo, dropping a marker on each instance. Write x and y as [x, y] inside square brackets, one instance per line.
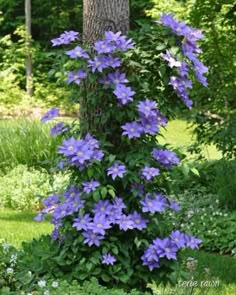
[26, 142]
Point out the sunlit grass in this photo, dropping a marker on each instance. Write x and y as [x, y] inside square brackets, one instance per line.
[180, 135]
[16, 227]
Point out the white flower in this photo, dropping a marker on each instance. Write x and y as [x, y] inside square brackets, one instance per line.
[6, 246]
[46, 292]
[10, 270]
[55, 284]
[29, 273]
[42, 283]
[13, 259]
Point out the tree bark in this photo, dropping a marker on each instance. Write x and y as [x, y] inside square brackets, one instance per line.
[28, 61]
[104, 15]
[99, 16]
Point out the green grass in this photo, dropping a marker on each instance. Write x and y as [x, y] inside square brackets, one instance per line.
[25, 141]
[178, 134]
[16, 227]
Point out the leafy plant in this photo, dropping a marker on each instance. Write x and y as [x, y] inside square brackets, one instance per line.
[26, 142]
[23, 188]
[108, 222]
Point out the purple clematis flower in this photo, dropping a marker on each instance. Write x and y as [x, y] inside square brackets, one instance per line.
[148, 173]
[165, 157]
[90, 186]
[108, 259]
[124, 94]
[59, 128]
[51, 114]
[76, 77]
[171, 61]
[82, 222]
[166, 248]
[178, 238]
[116, 170]
[65, 38]
[117, 78]
[103, 47]
[138, 221]
[192, 242]
[77, 52]
[132, 129]
[154, 204]
[147, 108]
[99, 224]
[92, 238]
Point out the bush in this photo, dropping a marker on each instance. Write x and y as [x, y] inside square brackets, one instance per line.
[217, 177]
[23, 188]
[202, 215]
[26, 142]
[21, 273]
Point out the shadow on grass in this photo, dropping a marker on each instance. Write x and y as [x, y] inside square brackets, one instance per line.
[26, 216]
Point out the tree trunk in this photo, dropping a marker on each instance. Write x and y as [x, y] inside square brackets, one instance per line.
[104, 15]
[28, 61]
[99, 16]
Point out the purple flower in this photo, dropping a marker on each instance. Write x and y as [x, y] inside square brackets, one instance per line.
[132, 129]
[59, 128]
[117, 78]
[39, 217]
[103, 47]
[99, 224]
[180, 85]
[172, 62]
[138, 221]
[68, 147]
[166, 248]
[82, 154]
[77, 52]
[149, 173]
[125, 222]
[150, 257]
[150, 125]
[91, 141]
[165, 157]
[51, 200]
[112, 37]
[82, 222]
[192, 242]
[116, 170]
[51, 114]
[108, 259]
[120, 42]
[99, 63]
[65, 38]
[113, 62]
[178, 238]
[147, 108]
[124, 94]
[72, 193]
[76, 77]
[90, 186]
[153, 204]
[92, 238]
[102, 208]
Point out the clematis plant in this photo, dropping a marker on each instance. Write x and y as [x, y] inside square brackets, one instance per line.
[112, 211]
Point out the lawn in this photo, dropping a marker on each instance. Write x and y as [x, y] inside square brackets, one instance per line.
[16, 227]
[179, 134]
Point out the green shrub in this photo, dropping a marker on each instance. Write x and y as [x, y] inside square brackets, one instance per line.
[21, 273]
[22, 188]
[26, 142]
[202, 216]
[225, 184]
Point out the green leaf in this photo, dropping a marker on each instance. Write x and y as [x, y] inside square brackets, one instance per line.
[105, 277]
